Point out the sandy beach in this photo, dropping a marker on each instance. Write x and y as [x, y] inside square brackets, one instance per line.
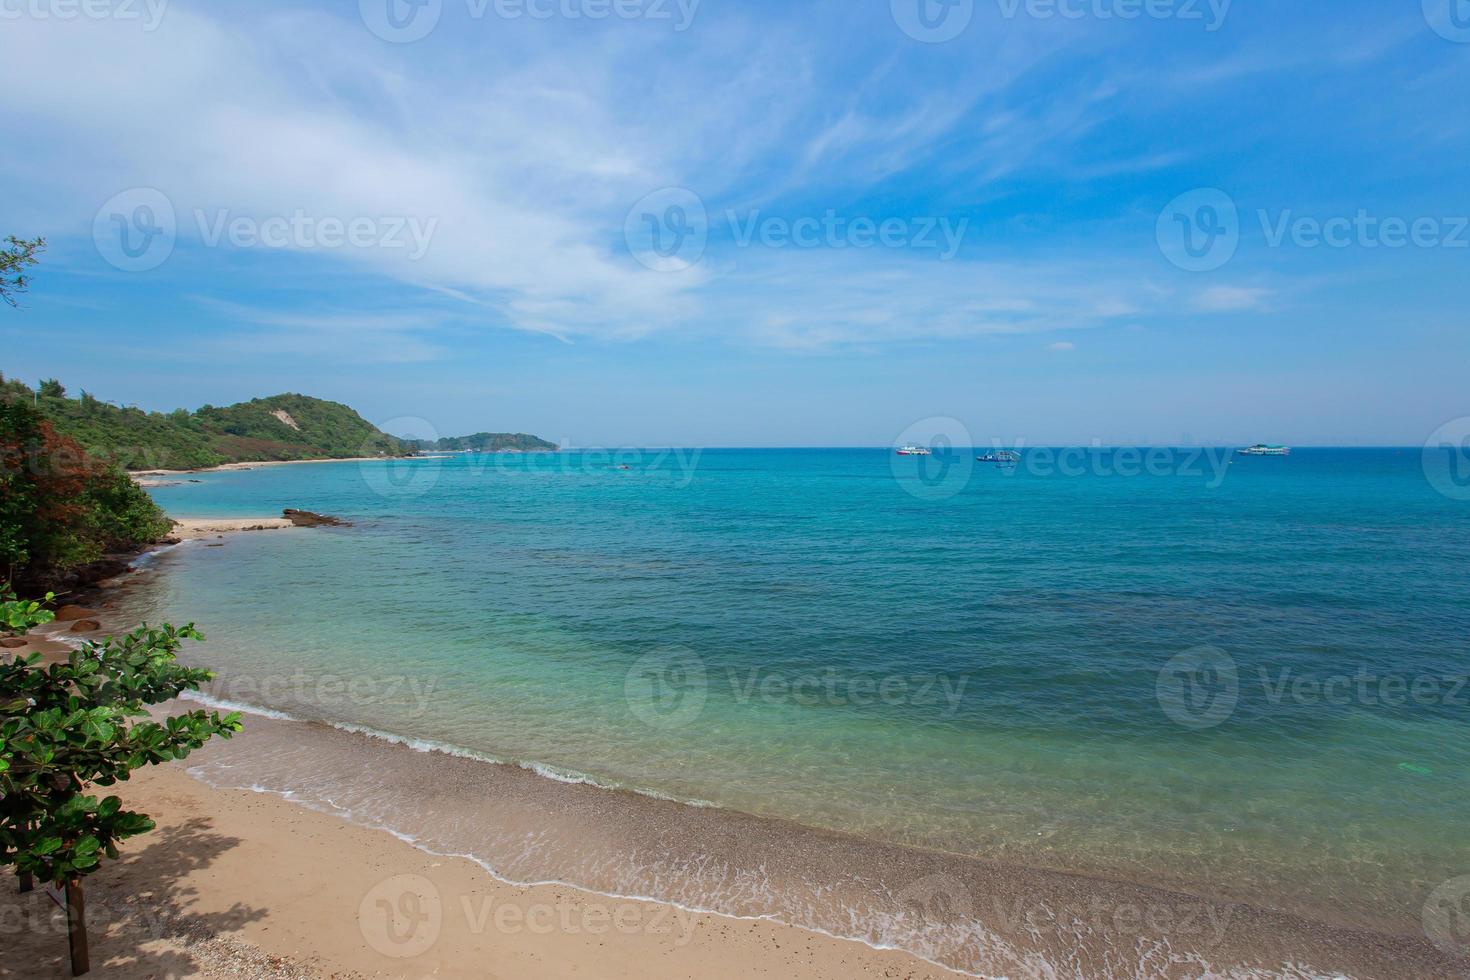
[235, 883]
[196, 528]
[171, 478]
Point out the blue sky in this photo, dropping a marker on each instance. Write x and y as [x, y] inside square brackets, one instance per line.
[1064, 147]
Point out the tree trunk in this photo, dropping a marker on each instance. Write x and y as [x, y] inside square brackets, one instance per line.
[27, 883]
[76, 927]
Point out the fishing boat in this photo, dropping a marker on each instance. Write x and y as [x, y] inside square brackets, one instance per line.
[914, 451]
[1002, 456]
[1261, 449]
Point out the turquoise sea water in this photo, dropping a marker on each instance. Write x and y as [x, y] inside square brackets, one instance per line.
[1242, 679]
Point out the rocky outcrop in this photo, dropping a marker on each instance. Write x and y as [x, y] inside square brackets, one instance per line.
[305, 518]
[68, 614]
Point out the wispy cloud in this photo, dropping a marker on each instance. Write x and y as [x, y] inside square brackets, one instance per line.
[1231, 299]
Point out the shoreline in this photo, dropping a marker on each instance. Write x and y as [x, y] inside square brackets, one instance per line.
[958, 914]
[140, 475]
[1260, 941]
[223, 882]
[155, 477]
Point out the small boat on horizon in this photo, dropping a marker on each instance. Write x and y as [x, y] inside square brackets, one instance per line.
[1261, 449]
[1001, 456]
[914, 451]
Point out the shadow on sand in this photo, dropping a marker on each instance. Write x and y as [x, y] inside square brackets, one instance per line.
[140, 914]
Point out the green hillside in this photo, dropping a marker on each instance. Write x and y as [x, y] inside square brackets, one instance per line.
[489, 442]
[281, 427]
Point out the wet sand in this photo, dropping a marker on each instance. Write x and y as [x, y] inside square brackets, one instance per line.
[243, 884]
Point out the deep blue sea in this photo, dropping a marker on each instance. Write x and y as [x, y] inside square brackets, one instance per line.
[1241, 677]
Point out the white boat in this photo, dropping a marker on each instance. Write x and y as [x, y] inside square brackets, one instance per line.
[914, 451]
[1261, 449]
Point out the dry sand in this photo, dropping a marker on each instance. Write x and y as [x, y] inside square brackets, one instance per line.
[194, 528]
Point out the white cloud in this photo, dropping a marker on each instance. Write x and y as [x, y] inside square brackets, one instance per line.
[527, 156]
[1231, 299]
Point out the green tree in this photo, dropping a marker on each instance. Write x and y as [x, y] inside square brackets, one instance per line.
[83, 722]
[51, 388]
[18, 255]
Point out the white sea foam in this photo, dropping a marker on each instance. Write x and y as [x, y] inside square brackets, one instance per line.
[428, 745]
[224, 704]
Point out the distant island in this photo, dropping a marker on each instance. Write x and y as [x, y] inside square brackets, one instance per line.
[487, 442]
[280, 428]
